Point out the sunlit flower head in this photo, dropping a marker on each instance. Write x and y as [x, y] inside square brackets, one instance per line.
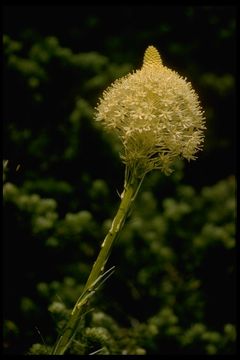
[156, 115]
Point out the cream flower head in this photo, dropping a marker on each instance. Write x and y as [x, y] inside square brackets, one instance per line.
[156, 115]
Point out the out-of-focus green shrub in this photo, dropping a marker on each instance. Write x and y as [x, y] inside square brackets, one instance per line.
[175, 259]
[163, 247]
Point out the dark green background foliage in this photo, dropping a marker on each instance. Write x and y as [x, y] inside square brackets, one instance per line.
[173, 291]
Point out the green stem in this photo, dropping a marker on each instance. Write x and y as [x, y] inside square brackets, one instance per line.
[132, 185]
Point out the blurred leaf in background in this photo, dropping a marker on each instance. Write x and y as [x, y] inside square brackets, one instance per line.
[174, 287]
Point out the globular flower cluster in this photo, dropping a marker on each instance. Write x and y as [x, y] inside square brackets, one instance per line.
[155, 113]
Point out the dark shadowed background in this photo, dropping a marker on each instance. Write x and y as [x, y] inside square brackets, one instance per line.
[174, 286]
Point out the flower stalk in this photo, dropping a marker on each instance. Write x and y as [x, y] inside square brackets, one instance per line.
[131, 187]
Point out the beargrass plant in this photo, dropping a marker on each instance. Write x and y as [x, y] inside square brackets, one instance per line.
[156, 115]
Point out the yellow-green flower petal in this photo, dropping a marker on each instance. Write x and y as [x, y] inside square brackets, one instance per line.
[155, 113]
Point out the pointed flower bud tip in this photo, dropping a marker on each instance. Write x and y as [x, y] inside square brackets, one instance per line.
[152, 57]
